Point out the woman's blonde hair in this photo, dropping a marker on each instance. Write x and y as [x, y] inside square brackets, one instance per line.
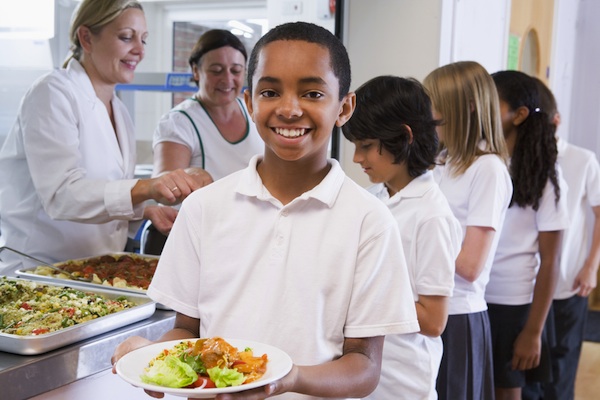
[466, 97]
[95, 15]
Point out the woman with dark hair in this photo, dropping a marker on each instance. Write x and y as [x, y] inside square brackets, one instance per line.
[210, 131]
[210, 134]
[525, 268]
[396, 142]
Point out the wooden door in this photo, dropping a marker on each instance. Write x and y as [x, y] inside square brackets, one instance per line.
[530, 41]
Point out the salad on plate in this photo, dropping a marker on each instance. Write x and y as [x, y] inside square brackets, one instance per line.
[204, 363]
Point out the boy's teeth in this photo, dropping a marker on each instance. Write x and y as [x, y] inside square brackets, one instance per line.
[290, 132]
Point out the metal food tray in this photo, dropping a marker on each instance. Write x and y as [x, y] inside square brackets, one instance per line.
[29, 274]
[32, 345]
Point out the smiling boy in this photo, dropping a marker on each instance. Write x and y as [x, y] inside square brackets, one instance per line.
[290, 251]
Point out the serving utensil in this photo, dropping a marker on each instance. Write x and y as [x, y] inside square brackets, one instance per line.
[45, 264]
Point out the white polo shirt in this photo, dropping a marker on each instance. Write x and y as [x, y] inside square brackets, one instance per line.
[478, 197]
[301, 277]
[581, 171]
[517, 259]
[431, 237]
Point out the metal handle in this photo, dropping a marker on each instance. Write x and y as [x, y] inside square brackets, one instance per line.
[45, 264]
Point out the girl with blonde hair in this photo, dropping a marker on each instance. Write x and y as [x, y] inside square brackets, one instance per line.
[474, 178]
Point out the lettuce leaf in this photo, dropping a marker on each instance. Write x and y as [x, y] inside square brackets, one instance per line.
[170, 372]
[195, 362]
[223, 377]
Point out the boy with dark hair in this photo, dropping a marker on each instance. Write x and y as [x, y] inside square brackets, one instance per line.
[396, 142]
[290, 251]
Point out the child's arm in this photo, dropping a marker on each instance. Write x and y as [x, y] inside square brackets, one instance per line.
[586, 279]
[432, 313]
[527, 347]
[354, 374]
[184, 328]
[474, 252]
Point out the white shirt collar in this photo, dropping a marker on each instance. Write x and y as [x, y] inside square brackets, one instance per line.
[326, 191]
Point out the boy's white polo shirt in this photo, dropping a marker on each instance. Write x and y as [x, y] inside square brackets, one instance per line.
[301, 277]
[431, 238]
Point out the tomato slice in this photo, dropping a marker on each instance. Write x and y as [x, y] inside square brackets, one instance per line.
[201, 379]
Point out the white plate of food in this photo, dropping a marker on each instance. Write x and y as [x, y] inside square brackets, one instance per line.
[154, 366]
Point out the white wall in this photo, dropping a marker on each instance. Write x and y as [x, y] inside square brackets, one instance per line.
[563, 58]
[584, 124]
[315, 11]
[411, 38]
[389, 37]
[480, 31]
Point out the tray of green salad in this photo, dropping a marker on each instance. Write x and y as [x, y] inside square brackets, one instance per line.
[36, 317]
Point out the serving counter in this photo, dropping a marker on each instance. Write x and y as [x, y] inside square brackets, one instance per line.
[22, 377]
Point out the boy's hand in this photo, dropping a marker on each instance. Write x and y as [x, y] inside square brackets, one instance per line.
[130, 344]
[280, 386]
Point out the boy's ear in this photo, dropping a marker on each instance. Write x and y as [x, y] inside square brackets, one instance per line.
[346, 109]
[520, 115]
[248, 101]
[408, 131]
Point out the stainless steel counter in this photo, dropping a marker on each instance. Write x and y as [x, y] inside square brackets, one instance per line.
[22, 377]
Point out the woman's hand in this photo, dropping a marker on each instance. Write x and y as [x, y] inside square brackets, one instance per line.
[162, 218]
[170, 188]
[201, 176]
[173, 187]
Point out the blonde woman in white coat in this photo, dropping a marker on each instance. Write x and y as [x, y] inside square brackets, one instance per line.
[67, 166]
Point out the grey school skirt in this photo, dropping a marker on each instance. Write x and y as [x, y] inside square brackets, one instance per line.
[466, 371]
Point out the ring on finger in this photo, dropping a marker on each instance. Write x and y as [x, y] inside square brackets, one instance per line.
[174, 189]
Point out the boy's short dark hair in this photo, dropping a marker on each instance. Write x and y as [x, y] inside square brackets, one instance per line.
[385, 105]
[307, 32]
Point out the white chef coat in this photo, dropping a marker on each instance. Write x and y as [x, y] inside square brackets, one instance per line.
[65, 177]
